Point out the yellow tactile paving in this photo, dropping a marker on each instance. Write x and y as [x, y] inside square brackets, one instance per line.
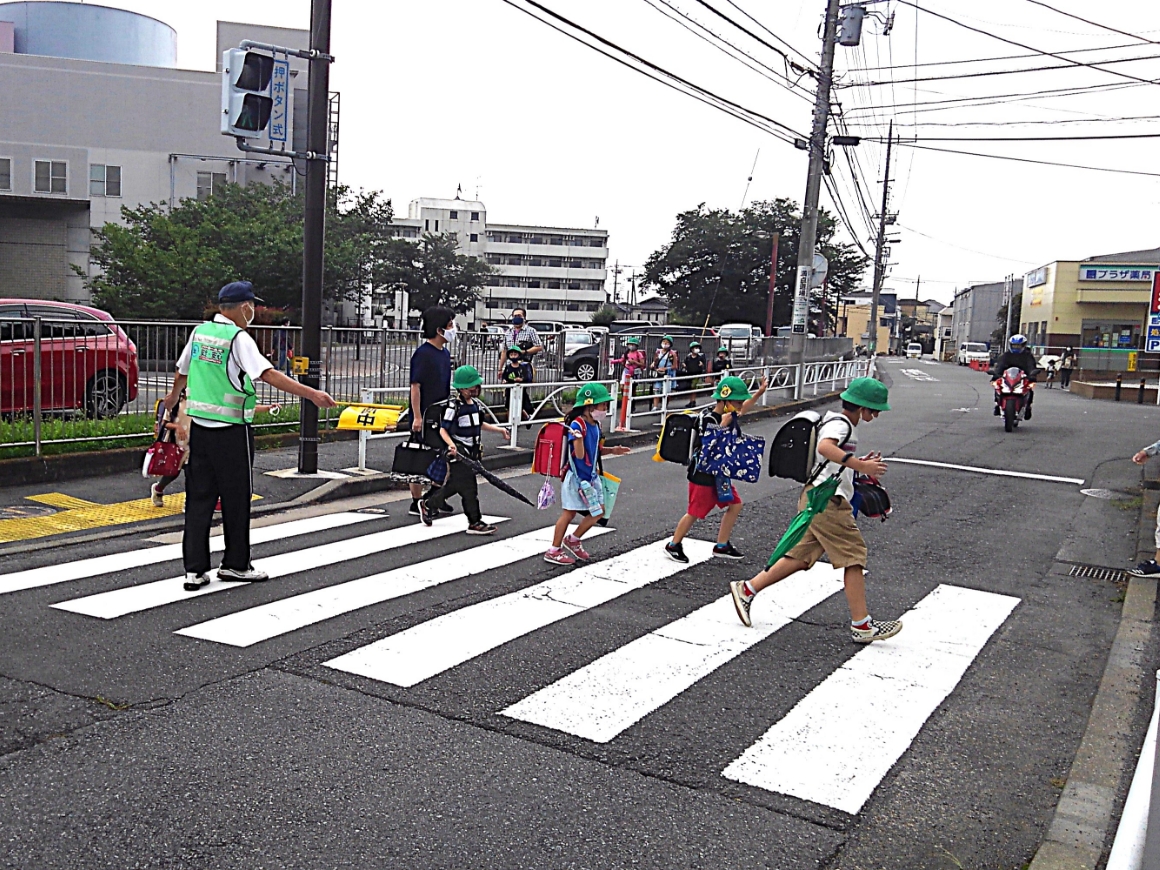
[77, 515]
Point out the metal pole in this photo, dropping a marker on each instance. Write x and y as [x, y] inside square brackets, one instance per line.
[880, 254]
[807, 237]
[1010, 290]
[772, 286]
[37, 372]
[314, 227]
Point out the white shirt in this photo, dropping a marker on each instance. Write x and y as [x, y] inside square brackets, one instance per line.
[837, 427]
[244, 357]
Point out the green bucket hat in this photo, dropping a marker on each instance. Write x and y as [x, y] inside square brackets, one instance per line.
[632, 339]
[465, 378]
[593, 394]
[733, 389]
[722, 349]
[868, 393]
[516, 348]
[693, 344]
[667, 338]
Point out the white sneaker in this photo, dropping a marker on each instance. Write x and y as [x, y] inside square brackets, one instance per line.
[157, 498]
[250, 575]
[876, 631]
[193, 582]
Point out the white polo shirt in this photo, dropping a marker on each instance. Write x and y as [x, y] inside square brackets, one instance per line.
[244, 357]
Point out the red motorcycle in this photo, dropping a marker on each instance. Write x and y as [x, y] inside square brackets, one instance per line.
[1013, 388]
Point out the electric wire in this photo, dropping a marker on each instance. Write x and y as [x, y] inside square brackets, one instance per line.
[992, 73]
[997, 99]
[793, 63]
[968, 250]
[1054, 121]
[1114, 170]
[927, 63]
[1092, 23]
[1093, 137]
[800, 54]
[660, 74]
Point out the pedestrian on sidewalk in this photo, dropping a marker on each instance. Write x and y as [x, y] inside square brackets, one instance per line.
[732, 400]
[694, 367]
[217, 369]
[723, 363]
[527, 338]
[666, 361]
[834, 531]
[1151, 568]
[519, 371]
[1066, 364]
[430, 376]
[461, 430]
[582, 489]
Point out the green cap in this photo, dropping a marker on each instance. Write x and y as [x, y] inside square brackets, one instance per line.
[466, 377]
[868, 393]
[593, 394]
[732, 389]
[722, 349]
[667, 338]
[632, 339]
[693, 344]
[516, 348]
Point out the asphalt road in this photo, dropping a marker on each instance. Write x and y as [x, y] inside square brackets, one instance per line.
[365, 726]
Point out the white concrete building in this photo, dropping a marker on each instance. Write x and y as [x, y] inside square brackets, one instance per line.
[556, 273]
[97, 118]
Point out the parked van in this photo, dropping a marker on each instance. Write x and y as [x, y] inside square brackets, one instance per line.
[742, 339]
[972, 351]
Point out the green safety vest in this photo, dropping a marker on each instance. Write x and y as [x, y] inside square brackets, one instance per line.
[210, 394]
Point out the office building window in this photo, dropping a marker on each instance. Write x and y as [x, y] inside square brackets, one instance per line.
[475, 215]
[454, 215]
[533, 306]
[553, 285]
[534, 284]
[104, 180]
[436, 224]
[426, 224]
[5, 173]
[208, 183]
[573, 285]
[475, 237]
[51, 176]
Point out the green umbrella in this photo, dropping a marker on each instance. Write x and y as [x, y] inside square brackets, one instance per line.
[815, 503]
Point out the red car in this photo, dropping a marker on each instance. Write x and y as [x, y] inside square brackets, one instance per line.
[86, 360]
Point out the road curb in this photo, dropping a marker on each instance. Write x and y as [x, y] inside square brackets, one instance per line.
[352, 487]
[1082, 825]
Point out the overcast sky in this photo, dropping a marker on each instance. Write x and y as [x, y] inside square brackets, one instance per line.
[437, 93]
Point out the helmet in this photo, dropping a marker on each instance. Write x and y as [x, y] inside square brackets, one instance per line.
[868, 393]
[722, 349]
[1018, 341]
[693, 344]
[465, 378]
[632, 339]
[732, 388]
[593, 394]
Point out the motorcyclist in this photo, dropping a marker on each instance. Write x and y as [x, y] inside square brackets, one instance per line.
[1019, 356]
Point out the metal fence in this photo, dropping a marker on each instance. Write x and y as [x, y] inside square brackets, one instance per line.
[79, 379]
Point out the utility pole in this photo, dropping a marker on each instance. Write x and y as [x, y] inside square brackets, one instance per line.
[314, 227]
[880, 252]
[616, 283]
[807, 237]
[1009, 292]
[772, 284]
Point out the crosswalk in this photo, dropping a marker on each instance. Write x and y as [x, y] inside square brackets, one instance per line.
[834, 747]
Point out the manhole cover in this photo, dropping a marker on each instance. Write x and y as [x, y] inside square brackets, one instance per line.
[1093, 572]
[1106, 494]
[24, 511]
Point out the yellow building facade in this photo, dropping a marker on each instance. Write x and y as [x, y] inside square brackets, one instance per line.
[1102, 302]
[853, 324]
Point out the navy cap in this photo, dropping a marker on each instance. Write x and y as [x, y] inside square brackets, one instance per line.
[238, 291]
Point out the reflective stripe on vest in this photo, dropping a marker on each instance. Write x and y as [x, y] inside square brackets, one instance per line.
[211, 393]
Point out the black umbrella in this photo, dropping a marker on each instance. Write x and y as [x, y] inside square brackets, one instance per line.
[494, 480]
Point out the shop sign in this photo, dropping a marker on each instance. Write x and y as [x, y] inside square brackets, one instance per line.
[1116, 273]
[1152, 337]
[1037, 278]
[1155, 308]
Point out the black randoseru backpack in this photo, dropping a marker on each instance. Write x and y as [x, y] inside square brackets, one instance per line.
[792, 452]
[677, 436]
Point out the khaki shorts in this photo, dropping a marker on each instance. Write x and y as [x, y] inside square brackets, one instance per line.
[833, 532]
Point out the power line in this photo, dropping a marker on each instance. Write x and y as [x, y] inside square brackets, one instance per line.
[1028, 160]
[782, 81]
[926, 63]
[1093, 23]
[652, 70]
[1033, 123]
[1100, 136]
[794, 65]
[1024, 46]
[800, 54]
[995, 99]
[968, 250]
[999, 72]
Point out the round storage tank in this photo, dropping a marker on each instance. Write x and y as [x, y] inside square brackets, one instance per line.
[84, 32]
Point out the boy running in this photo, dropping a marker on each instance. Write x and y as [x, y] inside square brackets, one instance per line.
[733, 398]
[461, 430]
[834, 531]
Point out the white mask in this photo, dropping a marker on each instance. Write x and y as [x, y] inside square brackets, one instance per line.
[449, 335]
[252, 315]
[599, 416]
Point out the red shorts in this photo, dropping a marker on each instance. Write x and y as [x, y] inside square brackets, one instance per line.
[702, 499]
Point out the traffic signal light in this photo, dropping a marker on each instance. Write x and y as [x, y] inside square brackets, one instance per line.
[246, 99]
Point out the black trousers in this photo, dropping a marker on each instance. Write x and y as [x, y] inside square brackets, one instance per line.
[221, 462]
[461, 482]
[1064, 377]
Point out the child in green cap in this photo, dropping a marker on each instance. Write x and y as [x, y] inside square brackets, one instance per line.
[462, 430]
[732, 398]
[834, 530]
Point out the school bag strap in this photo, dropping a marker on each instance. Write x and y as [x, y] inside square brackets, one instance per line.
[824, 462]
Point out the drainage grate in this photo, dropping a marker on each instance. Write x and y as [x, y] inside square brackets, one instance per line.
[1094, 573]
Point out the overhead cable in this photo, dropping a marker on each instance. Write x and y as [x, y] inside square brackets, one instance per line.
[989, 73]
[800, 54]
[793, 63]
[1028, 160]
[1093, 23]
[1098, 136]
[926, 63]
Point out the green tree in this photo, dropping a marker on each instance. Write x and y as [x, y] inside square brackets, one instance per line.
[432, 271]
[716, 264]
[170, 263]
[604, 315]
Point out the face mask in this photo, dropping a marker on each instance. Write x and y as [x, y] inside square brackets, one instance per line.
[665, 346]
[449, 335]
[250, 318]
[517, 321]
[696, 351]
[599, 416]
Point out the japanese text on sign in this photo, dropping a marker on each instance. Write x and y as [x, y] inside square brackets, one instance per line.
[1116, 273]
[280, 94]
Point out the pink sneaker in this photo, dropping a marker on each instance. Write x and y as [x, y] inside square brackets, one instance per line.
[559, 557]
[576, 548]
